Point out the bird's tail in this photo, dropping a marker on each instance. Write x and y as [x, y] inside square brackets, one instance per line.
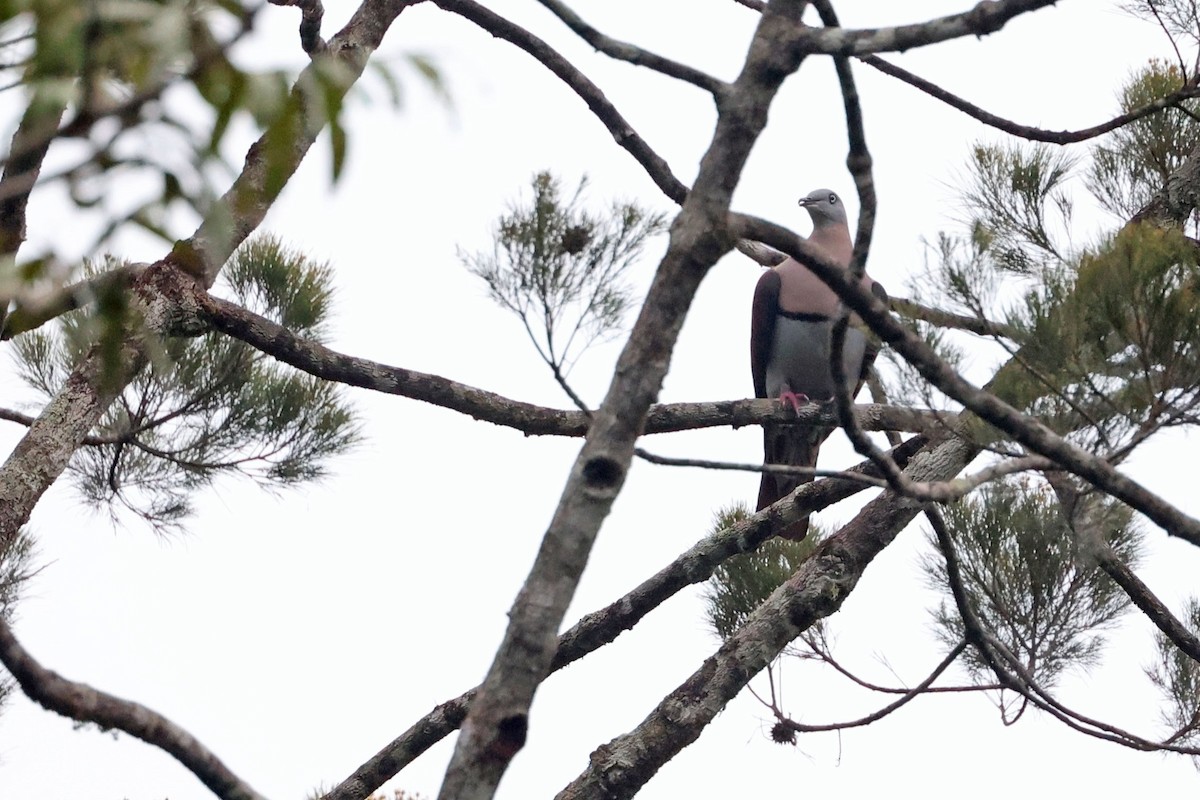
[789, 445]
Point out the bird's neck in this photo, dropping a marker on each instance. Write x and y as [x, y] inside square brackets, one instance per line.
[834, 242]
[803, 292]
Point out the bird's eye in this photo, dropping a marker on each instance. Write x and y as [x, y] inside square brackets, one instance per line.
[832, 199]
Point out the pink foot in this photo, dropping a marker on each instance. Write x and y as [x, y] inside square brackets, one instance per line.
[793, 399]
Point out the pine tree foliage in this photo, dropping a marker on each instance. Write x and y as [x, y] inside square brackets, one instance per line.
[562, 268]
[1137, 158]
[1177, 677]
[207, 406]
[741, 584]
[1029, 580]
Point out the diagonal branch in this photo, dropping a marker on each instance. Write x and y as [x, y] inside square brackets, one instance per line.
[624, 51]
[624, 134]
[601, 627]
[29, 314]
[85, 704]
[1189, 90]
[30, 143]
[1095, 546]
[921, 688]
[496, 726]
[980, 326]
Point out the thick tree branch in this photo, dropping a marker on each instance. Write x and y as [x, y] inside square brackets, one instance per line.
[272, 159]
[81, 702]
[601, 627]
[624, 51]
[497, 723]
[32, 313]
[533, 420]
[42, 454]
[31, 141]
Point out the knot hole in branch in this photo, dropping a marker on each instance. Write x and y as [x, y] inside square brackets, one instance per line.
[602, 472]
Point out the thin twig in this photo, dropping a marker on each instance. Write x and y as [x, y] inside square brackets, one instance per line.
[1189, 90]
[921, 688]
[624, 51]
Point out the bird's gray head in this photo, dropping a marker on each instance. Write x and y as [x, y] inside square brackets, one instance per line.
[825, 207]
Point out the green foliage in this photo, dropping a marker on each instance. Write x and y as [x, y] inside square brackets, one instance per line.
[125, 60]
[1028, 578]
[1177, 677]
[1135, 160]
[1012, 189]
[561, 268]
[210, 405]
[1113, 345]
[742, 583]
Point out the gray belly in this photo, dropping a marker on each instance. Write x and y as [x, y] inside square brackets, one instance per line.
[800, 358]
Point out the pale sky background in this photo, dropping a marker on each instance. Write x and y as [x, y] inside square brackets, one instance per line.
[297, 634]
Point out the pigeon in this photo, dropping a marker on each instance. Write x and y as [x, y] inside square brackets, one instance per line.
[791, 324]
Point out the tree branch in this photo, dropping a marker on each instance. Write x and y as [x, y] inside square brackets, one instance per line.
[1189, 90]
[911, 309]
[601, 627]
[32, 313]
[875, 716]
[1093, 545]
[622, 132]
[532, 420]
[496, 726]
[623, 51]
[273, 159]
[1025, 429]
[85, 704]
[985, 18]
[311, 14]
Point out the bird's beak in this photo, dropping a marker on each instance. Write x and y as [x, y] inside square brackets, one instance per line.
[805, 201]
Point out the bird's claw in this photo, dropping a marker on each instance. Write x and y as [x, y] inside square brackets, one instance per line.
[795, 400]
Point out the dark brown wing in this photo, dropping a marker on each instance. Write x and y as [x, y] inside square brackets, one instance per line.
[762, 328]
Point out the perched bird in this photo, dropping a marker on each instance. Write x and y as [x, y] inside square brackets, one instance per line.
[790, 328]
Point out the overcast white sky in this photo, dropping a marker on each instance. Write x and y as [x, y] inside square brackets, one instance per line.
[297, 634]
